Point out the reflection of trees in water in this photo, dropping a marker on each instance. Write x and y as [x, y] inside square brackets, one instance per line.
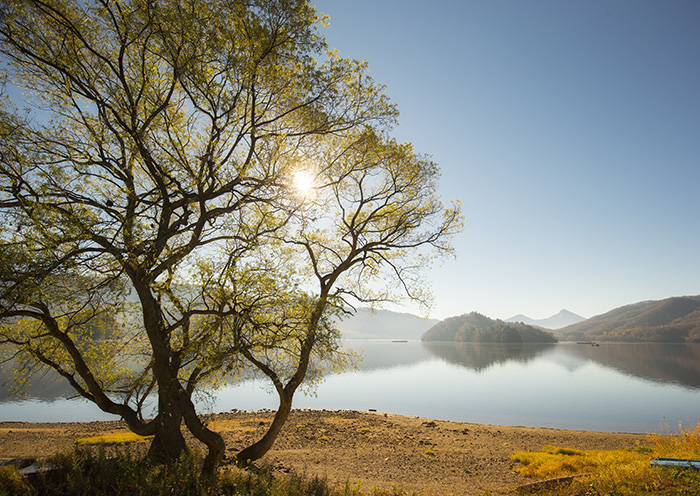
[45, 387]
[479, 356]
[375, 355]
[677, 364]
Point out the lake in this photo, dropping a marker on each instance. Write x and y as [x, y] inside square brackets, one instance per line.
[614, 387]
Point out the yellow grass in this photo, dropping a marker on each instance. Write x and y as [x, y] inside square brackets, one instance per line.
[685, 444]
[625, 472]
[116, 438]
[559, 462]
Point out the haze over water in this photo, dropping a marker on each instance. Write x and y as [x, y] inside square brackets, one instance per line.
[616, 387]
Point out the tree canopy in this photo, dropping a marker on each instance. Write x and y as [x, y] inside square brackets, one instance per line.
[149, 170]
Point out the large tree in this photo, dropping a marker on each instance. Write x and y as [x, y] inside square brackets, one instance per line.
[152, 138]
[365, 226]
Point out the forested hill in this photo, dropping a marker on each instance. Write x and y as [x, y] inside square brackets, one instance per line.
[673, 320]
[474, 327]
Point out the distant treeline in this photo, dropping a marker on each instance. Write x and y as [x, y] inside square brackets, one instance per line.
[477, 328]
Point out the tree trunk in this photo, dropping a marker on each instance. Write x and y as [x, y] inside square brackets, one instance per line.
[213, 440]
[255, 451]
[169, 443]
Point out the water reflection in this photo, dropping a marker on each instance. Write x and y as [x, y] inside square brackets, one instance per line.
[672, 364]
[676, 364]
[480, 356]
[47, 387]
[387, 354]
[614, 386]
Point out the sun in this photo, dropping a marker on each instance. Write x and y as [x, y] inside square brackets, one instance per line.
[303, 182]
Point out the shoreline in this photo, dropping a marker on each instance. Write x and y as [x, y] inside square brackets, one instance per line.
[661, 426]
[359, 447]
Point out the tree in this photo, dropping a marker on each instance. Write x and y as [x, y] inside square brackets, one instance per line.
[154, 141]
[369, 222]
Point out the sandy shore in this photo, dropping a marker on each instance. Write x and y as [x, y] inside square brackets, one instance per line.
[369, 448]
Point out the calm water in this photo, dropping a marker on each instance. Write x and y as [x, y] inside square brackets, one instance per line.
[613, 387]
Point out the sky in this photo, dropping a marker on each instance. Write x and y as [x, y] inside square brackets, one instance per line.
[570, 130]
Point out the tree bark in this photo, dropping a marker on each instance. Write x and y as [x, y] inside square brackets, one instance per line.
[255, 451]
[246, 456]
[168, 445]
[213, 440]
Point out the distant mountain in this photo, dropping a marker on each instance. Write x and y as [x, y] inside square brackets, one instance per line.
[673, 320]
[474, 327]
[384, 324]
[562, 319]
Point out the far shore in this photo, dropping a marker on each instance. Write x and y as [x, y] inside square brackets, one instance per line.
[373, 449]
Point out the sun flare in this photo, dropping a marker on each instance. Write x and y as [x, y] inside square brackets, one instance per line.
[303, 182]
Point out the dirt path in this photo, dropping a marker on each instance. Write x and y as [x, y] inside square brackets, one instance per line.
[438, 457]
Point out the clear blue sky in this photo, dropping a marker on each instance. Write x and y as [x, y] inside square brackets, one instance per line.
[569, 129]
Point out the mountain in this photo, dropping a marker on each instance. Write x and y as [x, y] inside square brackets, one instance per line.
[384, 324]
[474, 327]
[673, 320]
[562, 319]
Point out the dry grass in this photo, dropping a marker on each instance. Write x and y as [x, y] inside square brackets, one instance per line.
[616, 472]
[550, 463]
[685, 444]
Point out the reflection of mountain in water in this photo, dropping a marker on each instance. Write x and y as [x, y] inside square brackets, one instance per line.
[675, 364]
[664, 363]
[376, 355]
[479, 356]
[385, 354]
[567, 360]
